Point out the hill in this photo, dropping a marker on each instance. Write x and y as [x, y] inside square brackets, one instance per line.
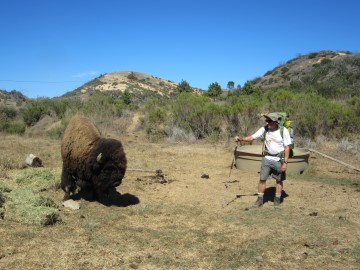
[329, 72]
[12, 98]
[138, 85]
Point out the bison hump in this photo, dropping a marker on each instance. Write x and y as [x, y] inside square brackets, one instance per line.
[79, 137]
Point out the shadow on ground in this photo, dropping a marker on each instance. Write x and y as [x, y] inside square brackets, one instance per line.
[269, 195]
[112, 199]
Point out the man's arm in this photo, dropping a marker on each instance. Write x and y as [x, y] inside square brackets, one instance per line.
[286, 158]
[243, 139]
[252, 137]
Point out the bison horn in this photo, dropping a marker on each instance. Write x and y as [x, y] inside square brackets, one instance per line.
[98, 158]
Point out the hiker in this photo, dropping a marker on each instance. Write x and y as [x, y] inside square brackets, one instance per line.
[275, 156]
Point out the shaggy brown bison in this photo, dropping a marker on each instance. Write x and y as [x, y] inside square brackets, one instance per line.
[89, 160]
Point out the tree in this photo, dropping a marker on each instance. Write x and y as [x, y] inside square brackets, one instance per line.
[183, 86]
[230, 85]
[248, 88]
[214, 90]
[132, 76]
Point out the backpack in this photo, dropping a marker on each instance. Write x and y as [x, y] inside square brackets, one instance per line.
[285, 122]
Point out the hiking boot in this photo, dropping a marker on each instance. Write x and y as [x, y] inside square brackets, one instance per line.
[277, 202]
[259, 202]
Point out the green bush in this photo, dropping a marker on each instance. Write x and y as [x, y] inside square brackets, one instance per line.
[33, 112]
[242, 114]
[325, 61]
[7, 113]
[103, 106]
[155, 119]
[56, 133]
[196, 114]
[284, 70]
[16, 128]
[312, 55]
[60, 106]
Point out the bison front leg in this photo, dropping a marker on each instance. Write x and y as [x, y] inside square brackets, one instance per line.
[68, 184]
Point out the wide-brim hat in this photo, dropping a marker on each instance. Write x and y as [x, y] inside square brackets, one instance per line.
[272, 116]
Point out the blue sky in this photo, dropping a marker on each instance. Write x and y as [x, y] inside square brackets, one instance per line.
[50, 47]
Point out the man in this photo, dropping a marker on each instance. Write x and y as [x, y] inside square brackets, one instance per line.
[276, 155]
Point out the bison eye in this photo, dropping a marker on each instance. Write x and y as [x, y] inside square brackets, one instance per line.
[108, 169]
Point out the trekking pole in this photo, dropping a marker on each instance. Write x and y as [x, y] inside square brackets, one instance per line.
[227, 183]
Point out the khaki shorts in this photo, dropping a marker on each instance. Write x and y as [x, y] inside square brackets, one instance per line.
[271, 167]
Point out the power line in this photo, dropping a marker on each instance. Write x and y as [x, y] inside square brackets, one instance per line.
[38, 81]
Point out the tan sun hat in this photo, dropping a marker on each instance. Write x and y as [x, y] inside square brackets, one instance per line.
[272, 116]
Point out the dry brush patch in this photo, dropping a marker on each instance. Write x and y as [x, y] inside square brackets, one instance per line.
[181, 224]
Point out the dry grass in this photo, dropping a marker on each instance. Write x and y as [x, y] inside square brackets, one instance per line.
[181, 224]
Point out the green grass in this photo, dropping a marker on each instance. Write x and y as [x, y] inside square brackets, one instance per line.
[37, 179]
[26, 207]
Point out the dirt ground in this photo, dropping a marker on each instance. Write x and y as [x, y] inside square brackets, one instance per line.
[193, 215]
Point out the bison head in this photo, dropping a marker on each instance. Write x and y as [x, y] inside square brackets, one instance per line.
[106, 165]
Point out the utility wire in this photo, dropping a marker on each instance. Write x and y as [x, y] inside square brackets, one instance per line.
[39, 81]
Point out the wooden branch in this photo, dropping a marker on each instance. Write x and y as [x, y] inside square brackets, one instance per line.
[141, 170]
[339, 161]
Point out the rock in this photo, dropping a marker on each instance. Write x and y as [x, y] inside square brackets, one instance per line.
[259, 258]
[71, 204]
[304, 256]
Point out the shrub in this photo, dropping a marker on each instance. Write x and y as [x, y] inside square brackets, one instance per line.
[345, 146]
[16, 128]
[56, 133]
[176, 134]
[325, 61]
[7, 113]
[33, 112]
[60, 106]
[312, 55]
[155, 119]
[132, 76]
[103, 106]
[284, 70]
[241, 114]
[196, 114]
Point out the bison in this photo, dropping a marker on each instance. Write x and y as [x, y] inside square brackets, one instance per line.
[89, 160]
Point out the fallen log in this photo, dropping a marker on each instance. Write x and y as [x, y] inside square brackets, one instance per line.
[33, 161]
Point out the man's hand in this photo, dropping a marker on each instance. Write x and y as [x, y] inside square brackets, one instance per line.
[238, 139]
